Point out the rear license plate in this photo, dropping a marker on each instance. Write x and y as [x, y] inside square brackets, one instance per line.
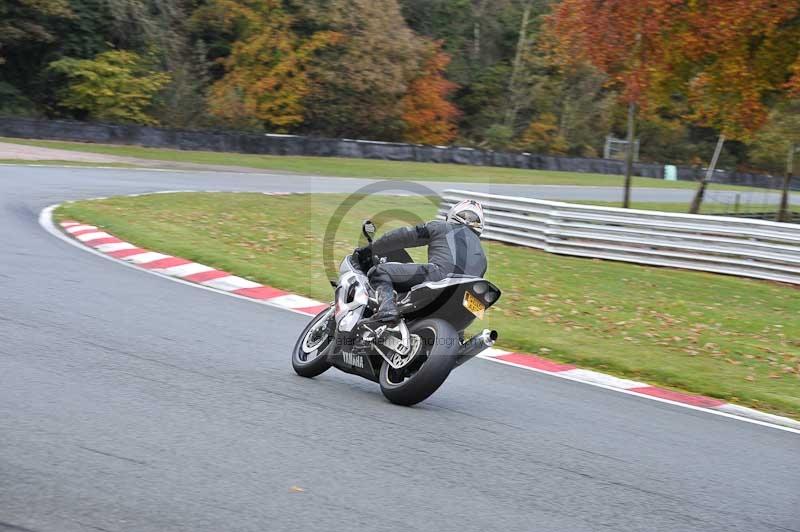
[473, 304]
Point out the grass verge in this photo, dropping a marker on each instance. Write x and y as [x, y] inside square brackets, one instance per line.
[56, 162]
[367, 168]
[721, 336]
[708, 207]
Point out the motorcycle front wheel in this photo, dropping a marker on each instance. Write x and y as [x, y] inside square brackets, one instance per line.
[438, 345]
[309, 356]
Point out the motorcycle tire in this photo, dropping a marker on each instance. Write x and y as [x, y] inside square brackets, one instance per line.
[426, 373]
[319, 363]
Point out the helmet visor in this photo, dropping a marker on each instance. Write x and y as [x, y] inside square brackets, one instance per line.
[469, 217]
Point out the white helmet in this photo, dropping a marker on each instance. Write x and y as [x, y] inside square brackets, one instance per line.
[469, 213]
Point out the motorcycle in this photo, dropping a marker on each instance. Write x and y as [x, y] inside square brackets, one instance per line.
[409, 360]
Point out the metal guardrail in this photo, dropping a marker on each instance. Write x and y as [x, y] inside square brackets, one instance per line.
[734, 246]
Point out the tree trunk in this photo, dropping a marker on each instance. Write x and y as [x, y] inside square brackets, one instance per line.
[701, 189]
[477, 15]
[783, 211]
[476, 40]
[626, 200]
[511, 114]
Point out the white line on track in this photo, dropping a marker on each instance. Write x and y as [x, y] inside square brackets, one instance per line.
[566, 375]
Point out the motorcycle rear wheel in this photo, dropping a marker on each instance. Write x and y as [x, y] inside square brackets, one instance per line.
[309, 354]
[430, 367]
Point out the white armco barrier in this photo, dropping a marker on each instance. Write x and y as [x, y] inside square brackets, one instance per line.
[734, 246]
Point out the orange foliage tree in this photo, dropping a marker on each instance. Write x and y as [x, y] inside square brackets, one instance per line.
[429, 117]
[265, 78]
[735, 55]
[627, 40]
[727, 57]
[738, 52]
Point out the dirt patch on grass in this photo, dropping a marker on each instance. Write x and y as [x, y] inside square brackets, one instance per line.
[34, 153]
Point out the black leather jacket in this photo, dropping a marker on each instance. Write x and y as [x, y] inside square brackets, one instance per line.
[453, 248]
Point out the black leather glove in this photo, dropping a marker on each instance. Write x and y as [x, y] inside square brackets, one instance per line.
[364, 258]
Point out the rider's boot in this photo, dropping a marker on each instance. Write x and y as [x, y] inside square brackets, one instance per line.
[387, 308]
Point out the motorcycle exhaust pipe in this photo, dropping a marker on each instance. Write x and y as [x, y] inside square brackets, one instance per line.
[476, 345]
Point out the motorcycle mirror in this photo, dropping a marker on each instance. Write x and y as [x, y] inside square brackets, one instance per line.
[368, 228]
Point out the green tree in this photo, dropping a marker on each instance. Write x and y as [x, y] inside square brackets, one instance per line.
[483, 102]
[115, 86]
[770, 146]
[575, 100]
[776, 145]
[25, 22]
[86, 33]
[182, 102]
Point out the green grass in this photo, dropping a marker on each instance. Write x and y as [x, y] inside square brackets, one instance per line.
[366, 168]
[710, 334]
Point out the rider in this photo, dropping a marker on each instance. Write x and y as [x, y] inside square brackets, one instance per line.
[454, 247]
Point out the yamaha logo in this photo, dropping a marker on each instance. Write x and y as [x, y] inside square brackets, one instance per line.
[353, 360]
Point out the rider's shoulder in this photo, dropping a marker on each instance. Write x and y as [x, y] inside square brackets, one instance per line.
[438, 225]
[445, 226]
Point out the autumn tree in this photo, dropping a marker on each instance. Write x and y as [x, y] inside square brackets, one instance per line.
[628, 41]
[116, 86]
[481, 36]
[266, 73]
[358, 84]
[737, 54]
[428, 115]
[543, 136]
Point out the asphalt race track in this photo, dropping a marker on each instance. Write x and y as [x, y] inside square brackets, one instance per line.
[132, 403]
